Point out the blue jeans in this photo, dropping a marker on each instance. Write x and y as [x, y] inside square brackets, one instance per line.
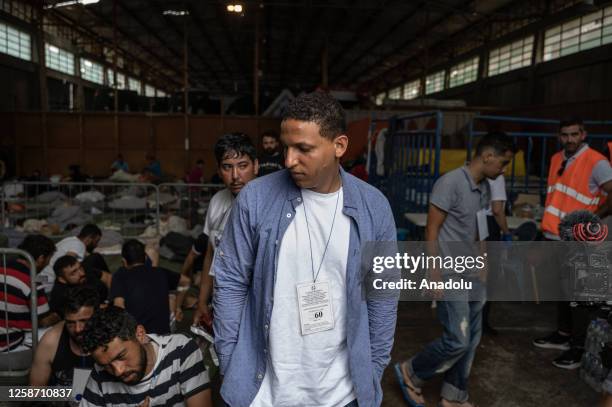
[453, 353]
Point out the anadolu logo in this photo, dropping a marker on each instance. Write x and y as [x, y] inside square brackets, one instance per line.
[590, 232]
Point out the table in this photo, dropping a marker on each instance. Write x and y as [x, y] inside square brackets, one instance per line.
[420, 220]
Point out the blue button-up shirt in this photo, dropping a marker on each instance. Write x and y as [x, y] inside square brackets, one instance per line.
[245, 271]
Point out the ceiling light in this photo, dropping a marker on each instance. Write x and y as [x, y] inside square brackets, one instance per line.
[234, 8]
[72, 3]
[175, 13]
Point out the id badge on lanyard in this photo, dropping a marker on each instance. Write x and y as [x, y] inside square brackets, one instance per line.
[315, 306]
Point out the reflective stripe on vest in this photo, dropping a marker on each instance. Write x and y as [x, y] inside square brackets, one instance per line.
[555, 211]
[570, 191]
[574, 194]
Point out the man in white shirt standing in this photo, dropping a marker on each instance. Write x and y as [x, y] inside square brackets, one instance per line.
[237, 165]
[292, 327]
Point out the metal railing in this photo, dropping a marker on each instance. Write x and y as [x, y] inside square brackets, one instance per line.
[129, 208]
[4, 319]
[414, 162]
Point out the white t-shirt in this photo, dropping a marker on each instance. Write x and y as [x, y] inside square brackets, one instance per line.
[70, 244]
[310, 370]
[216, 217]
[498, 191]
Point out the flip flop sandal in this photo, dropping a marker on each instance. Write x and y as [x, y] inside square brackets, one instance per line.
[405, 387]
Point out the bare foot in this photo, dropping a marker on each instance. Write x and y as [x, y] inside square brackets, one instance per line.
[414, 392]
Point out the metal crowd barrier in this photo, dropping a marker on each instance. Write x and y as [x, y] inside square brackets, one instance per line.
[414, 165]
[538, 140]
[129, 208]
[187, 201]
[21, 358]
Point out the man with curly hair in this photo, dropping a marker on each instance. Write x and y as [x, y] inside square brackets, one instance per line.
[133, 368]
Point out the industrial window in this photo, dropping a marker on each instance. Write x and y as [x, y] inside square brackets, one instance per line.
[59, 59]
[134, 84]
[464, 72]
[434, 82]
[588, 31]
[380, 98]
[110, 79]
[395, 93]
[120, 81]
[412, 89]
[15, 43]
[92, 71]
[160, 93]
[512, 56]
[149, 91]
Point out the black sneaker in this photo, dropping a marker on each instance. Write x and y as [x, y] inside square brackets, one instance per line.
[570, 359]
[553, 341]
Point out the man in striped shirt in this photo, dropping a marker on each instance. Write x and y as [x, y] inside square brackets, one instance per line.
[134, 369]
[15, 292]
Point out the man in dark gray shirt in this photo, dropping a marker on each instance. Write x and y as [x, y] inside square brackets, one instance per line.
[456, 200]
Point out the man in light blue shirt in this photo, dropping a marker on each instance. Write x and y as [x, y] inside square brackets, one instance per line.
[293, 239]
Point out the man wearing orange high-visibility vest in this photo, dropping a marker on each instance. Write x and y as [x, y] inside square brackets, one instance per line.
[579, 178]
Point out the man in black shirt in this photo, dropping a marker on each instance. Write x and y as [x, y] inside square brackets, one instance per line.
[271, 160]
[70, 273]
[59, 352]
[144, 290]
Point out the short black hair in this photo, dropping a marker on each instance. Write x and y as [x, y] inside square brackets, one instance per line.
[320, 108]
[270, 133]
[62, 263]
[78, 297]
[233, 145]
[572, 121]
[498, 141]
[90, 230]
[37, 245]
[105, 325]
[133, 251]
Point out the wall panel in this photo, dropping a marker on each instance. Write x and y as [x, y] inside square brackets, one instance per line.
[63, 130]
[99, 131]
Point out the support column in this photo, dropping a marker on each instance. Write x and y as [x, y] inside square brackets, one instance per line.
[186, 96]
[256, 62]
[43, 91]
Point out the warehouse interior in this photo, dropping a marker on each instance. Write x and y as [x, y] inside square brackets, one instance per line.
[84, 82]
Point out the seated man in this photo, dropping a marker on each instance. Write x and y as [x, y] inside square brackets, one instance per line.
[192, 268]
[144, 291]
[59, 352]
[70, 273]
[81, 247]
[15, 283]
[152, 171]
[133, 368]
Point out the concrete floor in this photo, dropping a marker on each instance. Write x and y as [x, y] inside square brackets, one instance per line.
[507, 372]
